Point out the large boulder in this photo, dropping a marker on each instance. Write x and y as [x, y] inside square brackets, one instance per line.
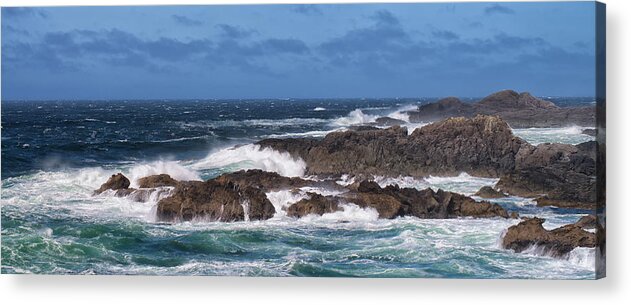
[215, 201]
[156, 181]
[315, 204]
[557, 242]
[115, 182]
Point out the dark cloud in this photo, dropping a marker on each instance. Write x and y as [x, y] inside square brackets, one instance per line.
[446, 35]
[234, 32]
[186, 21]
[307, 9]
[498, 9]
[385, 17]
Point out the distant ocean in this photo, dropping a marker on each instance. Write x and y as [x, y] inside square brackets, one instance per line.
[54, 153]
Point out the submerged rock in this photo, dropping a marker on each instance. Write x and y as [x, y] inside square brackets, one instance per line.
[557, 242]
[489, 193]
[520, 110]
[115, 182]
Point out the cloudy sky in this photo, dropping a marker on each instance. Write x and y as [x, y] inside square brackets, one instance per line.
[300, 51]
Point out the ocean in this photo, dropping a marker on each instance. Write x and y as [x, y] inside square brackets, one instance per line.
[55, 153]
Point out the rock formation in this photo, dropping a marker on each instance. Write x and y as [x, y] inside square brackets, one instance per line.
[557, 242]
[115, 182]
[520, 110]
[489, 193]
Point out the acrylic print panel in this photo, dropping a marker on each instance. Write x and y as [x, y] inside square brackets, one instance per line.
[430, 140]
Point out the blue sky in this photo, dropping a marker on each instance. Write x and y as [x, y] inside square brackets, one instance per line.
[299, 51]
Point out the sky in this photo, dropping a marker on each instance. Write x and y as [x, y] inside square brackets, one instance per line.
[298, 51]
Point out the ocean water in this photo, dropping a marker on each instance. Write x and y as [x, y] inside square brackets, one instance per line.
[55, 153]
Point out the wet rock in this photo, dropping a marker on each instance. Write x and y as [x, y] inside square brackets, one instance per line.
[214, 200]
[115, 182]
[589, 132]
[156, 181]
[557, 242]
[489, 193]
[588, 222]
[388, 121]
[315, 204]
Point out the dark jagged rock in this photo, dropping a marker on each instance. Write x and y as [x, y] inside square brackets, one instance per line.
[556, 174]
[520, 110]
[115, 182]
[557, 242]
[156, 181]
[215, 201]
[588, 222]
[392, 201]
[271, 181]
[315, 204]
[489, 193]
[589, 132]
[482, 146]
[388, 121]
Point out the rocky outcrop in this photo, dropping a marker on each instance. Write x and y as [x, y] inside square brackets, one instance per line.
[488, 192]
[520, 110]
[392, 201]
[556, 174]
[482, 146]
[214, 200]
[557, 242]
[156, 181]
[115, 182]
[388, 121]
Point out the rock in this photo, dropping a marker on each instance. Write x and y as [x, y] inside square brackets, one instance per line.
[261, 179]
[520, 110]
[315, 204]
[213, 200]
[156, 181]
[557, 242]
[392, 201]
[556, 174]
[589, 132]
[588, 222]
[482, 146]
[489, 193]
[388, 121]
[115, 182]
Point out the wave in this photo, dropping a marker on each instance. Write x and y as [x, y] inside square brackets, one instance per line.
[254, 123]
[566, 135]
[355, 117]
[252, 156]
[319, 109]
[463, 183]
[312, 134]
[172, 168]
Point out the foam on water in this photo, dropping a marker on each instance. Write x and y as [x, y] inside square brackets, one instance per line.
[252, 156]
[463, 183]
[566, 135]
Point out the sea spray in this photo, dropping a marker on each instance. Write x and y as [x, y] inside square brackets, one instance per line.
[252, 156]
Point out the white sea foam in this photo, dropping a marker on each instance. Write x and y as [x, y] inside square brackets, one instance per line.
[319, 109]
[283, 199]
[172, 168]
[252, 156]
[463, 183]
[313, 134]
[567, 135]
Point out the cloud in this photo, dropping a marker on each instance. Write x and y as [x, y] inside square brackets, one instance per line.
[234, 32]
[186, 21]
[446, 35]
[385, 17]
[498, 9]
[307, 9]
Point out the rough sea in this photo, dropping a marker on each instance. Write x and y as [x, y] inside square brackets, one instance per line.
[55, 153]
